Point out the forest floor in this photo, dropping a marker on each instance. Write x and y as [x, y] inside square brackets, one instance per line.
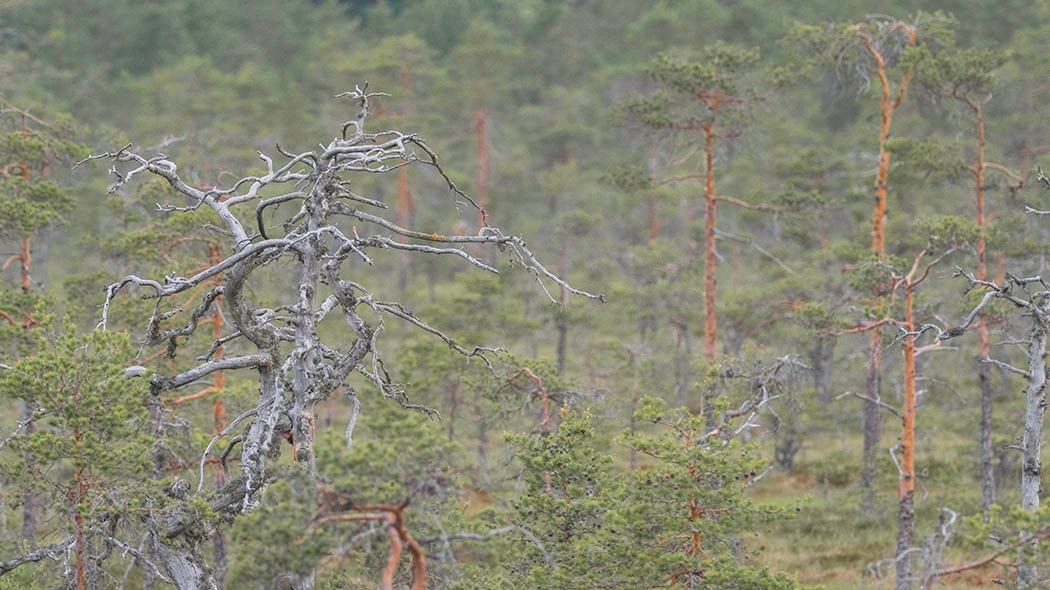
[831, 542]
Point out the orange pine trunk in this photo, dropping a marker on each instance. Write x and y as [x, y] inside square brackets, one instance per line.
[907, 480]
[886, 108]
[711, 261]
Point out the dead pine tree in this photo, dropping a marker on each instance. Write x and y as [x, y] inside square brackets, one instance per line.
[1031, 295]
[327, 244]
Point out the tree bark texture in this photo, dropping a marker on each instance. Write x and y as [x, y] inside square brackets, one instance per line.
[887, 107]
[710, 253]
[1035, 405]
[987, 454]
[821, 357]
[906, 488]
[872, 427]
[983, 337]
[906, 522]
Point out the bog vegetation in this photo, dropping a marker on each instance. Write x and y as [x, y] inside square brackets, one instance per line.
[534, 294]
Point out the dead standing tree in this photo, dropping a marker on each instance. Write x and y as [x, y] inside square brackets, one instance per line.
[1032, 296]
[296, 368]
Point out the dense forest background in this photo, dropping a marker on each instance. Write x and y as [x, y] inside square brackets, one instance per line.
[729, 416]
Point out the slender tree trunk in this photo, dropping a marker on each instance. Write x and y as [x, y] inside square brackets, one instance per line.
[906, 488]
[305, 327]
[404, 210]
[872, 427]
[32, 502]
[653, 224]
[80, 545]
[820, 358]
[987, 454]
[219, 412]
[1035, 405]
[711, 261]
[887, 107]
[872, 417]
[983, 337]
[636, 362]
[563, 321]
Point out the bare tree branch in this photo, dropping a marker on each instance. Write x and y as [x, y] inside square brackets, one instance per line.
[495, 533]
[879, 403]
[296, 368]
[1007, 367]
[53, 551]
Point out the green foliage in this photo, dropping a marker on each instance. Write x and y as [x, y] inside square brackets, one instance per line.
[90, 416]
[988, 534]
[716, 68]
[675, 520]
[650, 111]
[85, 458]
[841, 52]
[33, 201]
[273, 540]
[961, 74]
[874, 271]
[931, 160]
[947, 231]
[629, 178]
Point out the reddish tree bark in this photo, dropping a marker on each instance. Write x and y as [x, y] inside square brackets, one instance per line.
[393, 518]
[983, 335]
[545, 415]
[711, 260]
[887, 107]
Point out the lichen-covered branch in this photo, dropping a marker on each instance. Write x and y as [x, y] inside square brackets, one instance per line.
[282, 342]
